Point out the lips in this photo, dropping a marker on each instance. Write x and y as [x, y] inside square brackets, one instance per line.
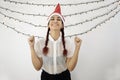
[54, 24]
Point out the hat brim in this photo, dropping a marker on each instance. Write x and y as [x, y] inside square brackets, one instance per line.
[62, 18]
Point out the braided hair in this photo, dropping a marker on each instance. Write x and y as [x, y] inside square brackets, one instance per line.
[46, 49]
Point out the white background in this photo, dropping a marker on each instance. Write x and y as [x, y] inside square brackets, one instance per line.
[99, 57]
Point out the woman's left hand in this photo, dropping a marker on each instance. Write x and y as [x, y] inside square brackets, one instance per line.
[77, 41]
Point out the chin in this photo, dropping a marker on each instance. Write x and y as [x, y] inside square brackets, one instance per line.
[56, 29]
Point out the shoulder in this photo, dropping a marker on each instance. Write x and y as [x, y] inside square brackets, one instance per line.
[40, 41]
[67, 40]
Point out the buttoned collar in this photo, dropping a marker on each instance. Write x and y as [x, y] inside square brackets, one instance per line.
[58, 40]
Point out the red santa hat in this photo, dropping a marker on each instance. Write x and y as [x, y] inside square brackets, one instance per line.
[57, 11]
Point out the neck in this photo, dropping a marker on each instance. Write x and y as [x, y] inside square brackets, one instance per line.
[55, 34]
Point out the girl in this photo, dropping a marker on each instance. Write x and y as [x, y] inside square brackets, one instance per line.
[54, 54]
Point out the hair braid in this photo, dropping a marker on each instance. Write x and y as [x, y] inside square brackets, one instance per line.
[63, 41]
[45, 49]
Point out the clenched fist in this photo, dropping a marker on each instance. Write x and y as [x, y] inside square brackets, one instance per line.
[31, 41]
[77, 41]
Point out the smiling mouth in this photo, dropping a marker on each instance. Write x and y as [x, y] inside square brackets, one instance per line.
[55, 25]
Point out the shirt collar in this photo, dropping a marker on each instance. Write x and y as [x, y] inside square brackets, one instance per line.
[58, 40]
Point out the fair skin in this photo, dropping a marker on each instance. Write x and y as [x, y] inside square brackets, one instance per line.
[55, 25]
[36, 61]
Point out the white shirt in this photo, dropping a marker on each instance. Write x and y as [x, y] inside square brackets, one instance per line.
[54, 62]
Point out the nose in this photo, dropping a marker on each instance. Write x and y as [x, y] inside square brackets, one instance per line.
[55, 20]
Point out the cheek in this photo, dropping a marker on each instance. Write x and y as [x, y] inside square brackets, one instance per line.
[62, 25]
[49, 24]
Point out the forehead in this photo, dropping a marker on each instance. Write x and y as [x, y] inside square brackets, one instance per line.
[55, 16]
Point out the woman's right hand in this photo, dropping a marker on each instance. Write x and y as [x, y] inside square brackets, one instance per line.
[31, 41]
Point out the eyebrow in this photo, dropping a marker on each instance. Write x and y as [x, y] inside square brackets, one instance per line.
[57, 17]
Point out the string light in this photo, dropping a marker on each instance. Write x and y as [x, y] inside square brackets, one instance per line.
[21, 20]
[99, 24]
[23, 13]
[91, 10]
[82, 33]
[75, 4]
[17, 30]
[68, 15]
[88, 20]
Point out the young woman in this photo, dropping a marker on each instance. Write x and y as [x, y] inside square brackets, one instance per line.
[54, 54]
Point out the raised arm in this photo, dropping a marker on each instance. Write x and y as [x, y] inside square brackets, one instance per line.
[71, 62]
[36, 61]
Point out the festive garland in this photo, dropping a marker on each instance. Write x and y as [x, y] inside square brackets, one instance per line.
[68, 15]
[75, 4]
[66, 25]
[87, 20]
[99, 24]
